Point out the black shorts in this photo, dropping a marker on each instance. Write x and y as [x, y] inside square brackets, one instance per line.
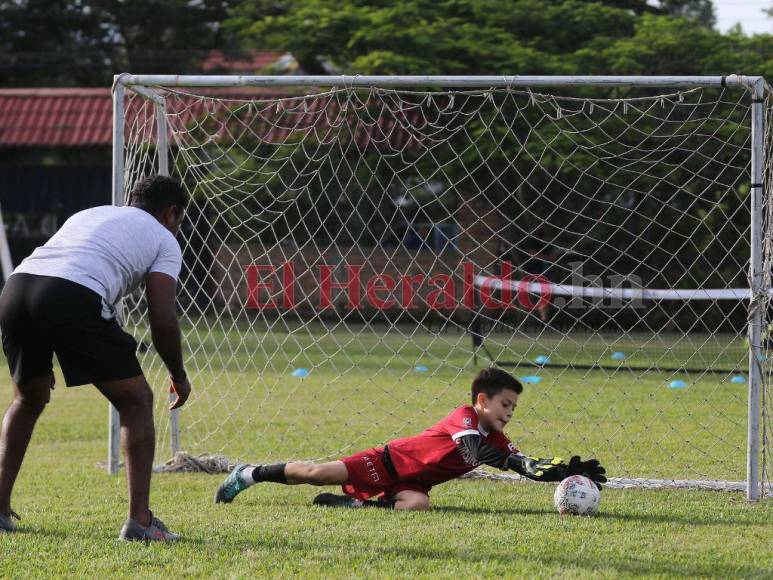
[43, 315]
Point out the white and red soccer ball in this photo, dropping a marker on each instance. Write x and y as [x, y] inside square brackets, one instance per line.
[577, 495]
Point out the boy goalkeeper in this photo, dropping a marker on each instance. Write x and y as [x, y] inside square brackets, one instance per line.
[401, 474]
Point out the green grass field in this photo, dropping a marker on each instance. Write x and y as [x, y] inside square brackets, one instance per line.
[72, 510]
[363, 390]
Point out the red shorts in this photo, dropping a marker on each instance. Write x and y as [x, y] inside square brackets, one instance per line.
[369, 477]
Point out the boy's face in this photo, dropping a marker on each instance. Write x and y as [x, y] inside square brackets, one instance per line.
[495, 412]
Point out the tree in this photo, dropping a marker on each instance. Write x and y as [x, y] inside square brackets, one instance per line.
[494, 36]
[50, 43]
[677, 46]
[701, 11]
[430, 36]
[85, 42]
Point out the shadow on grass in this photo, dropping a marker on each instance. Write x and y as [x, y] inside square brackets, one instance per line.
[632, 565]
[36, 531]
[620, 517]
[393, 556]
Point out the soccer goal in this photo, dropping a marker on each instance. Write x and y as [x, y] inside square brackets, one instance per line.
[358, 247]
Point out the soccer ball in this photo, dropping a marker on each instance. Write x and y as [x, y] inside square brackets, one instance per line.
[577, 495]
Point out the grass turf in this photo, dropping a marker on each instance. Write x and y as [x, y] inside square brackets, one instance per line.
[363, 390]
[72, 513]
[72, 510]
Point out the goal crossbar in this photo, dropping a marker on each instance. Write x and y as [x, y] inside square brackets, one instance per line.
[500, 81]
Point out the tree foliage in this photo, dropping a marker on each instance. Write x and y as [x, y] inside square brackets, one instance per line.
[501, 37]
[700, 10]
[85, 42]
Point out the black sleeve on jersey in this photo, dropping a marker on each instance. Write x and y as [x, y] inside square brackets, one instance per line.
[474, 452]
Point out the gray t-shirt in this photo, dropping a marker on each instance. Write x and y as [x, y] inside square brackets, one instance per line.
[107, 249]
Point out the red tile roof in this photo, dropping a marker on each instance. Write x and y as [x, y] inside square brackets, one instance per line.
[67, 117]
[78, 116]
[83, 116]
[71, 116]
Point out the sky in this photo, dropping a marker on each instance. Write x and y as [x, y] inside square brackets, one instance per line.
[747, 12]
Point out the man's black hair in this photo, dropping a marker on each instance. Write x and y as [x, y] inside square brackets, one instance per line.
[492, 382]
[156, 193]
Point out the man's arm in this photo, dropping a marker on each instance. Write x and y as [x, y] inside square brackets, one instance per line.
[161, 290]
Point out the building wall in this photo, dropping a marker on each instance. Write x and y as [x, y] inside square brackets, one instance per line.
[36, 200]
[232, 289]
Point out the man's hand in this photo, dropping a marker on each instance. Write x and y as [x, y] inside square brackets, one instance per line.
[538, 468]
[591, 469]
[182, 390]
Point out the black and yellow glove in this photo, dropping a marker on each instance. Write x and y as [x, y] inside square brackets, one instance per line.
[554, 468]
[591, 469]
[538, 468]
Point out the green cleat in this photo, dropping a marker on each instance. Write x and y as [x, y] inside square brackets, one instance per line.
[233, 485]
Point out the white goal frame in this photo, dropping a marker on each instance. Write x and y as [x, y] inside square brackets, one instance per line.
[755, 85]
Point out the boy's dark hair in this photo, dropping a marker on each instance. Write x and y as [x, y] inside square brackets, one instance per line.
[156, 193]
[492, 382]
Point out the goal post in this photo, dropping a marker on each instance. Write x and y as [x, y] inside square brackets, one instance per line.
[608, 238]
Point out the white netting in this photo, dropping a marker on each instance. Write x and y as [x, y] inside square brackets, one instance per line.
[633, 206]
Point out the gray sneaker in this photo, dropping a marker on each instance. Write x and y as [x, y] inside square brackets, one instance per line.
[6, 522]
[132, 531]
[233, 485]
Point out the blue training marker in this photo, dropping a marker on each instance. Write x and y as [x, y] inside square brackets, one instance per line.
[300, 373]
[542, 360]
[677, 384]
[738, 379]
[618, 355]
[531, 379]
[421, 369]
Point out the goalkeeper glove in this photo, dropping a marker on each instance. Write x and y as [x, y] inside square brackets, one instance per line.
[591, 469]
[554, 469]
[538, 468]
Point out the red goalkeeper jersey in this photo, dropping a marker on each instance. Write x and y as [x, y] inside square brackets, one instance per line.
[433, 456]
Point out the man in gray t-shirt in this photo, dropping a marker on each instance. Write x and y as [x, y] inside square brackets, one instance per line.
[61, 300]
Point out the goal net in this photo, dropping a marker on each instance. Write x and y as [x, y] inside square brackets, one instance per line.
[355, 252]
